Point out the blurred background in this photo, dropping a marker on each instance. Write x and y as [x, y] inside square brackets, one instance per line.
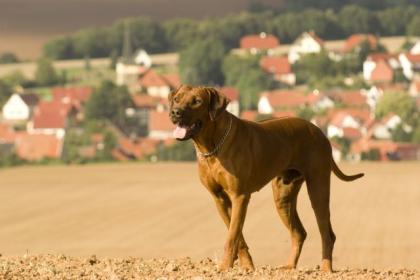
[84, 83]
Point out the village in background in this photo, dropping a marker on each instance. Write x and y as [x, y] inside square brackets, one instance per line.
[363, 91]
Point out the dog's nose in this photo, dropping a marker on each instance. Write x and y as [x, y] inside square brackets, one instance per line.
[176, 112]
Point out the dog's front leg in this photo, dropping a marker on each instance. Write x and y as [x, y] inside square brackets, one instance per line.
[239, 207]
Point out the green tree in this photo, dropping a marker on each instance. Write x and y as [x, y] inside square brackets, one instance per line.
[180, 32]
[5, 92]
[60, 48]
[355, 19]
[245, 74]
[109, 102]
[314, 67]
[413, 27]
[93, 42]
[180, 151]
[8, 57]
[45, 74]
[394, 20]
[201, 63]
[399, 103]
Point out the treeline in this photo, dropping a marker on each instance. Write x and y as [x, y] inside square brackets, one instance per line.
[177, 34]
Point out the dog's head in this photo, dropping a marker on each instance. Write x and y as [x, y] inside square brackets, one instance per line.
[193, 108]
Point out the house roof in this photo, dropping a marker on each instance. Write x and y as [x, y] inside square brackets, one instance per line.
[285, 98]
[383, 72]
[152, 79]
[138, 147]
[416, 85]
[381, 56]
[230, 92]
[362, 115]
[38, 146]
[51, 114]
[350, 98]
[145, 101]
[356, 40]
[260, 41]
[276, 65]
[77, 95]
[30, 99]
[172, 79]
[7, 133]
[351, 133]
[413, 58]
[160, 121]
[249, 115]
[315, 37]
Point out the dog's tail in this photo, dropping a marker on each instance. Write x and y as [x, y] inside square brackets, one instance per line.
[343, 176]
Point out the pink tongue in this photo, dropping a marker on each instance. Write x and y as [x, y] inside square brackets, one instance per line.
[180, 132]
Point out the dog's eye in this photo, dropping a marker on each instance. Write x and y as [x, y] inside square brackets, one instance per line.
[196, 101]
[176, 99]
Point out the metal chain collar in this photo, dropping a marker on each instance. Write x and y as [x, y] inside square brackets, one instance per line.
[218, 146]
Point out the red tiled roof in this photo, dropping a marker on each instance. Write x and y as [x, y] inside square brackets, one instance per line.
[381, 56]
[351, 133]
[350, 98]
[230, 92]
[146, 101]
[284, 98]
[249, 115]
[261, 41]
[138, 147]
[38, 146]
[7, 133]
[152, 79]
[316, 38]
[160, 121]
[51, 114]
[72, 94]
[363, 115]
[284, 114]
[30, 99]
[276, 65]
[173, 80]
[382, 72]
[413, 58]
[356, 40]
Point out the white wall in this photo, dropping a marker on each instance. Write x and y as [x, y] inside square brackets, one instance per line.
[16, 109]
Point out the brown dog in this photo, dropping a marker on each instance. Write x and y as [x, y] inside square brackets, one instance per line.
[238, 157]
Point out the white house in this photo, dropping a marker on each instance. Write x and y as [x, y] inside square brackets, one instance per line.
[410, 64]
[339, 122]
[19, 106]
[372, 95]
[319, 101]
[383, 129]
[280, 68]
[372, 64]
[154, 84]
[233, 95]
[306, 43]
[160, 127]
[142, 58]
[416, 48]
[414, 89]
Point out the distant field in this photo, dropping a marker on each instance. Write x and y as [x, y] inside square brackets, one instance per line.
[161, 210]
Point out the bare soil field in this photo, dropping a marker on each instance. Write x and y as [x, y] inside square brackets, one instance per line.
[128, 214]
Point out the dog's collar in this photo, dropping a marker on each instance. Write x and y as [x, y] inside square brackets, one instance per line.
[218, 146]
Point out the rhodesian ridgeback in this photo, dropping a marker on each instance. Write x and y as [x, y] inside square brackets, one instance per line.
[237, 158]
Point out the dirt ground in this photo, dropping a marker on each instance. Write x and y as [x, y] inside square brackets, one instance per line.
[161, 211]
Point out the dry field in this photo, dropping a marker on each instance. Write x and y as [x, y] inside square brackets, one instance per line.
[161, 211]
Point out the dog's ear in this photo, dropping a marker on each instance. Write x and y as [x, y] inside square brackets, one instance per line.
[217, 102]
[172, 94]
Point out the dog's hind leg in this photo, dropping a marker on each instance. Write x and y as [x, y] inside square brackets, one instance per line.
[285, 191]
[224, 207]
[319, 194]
